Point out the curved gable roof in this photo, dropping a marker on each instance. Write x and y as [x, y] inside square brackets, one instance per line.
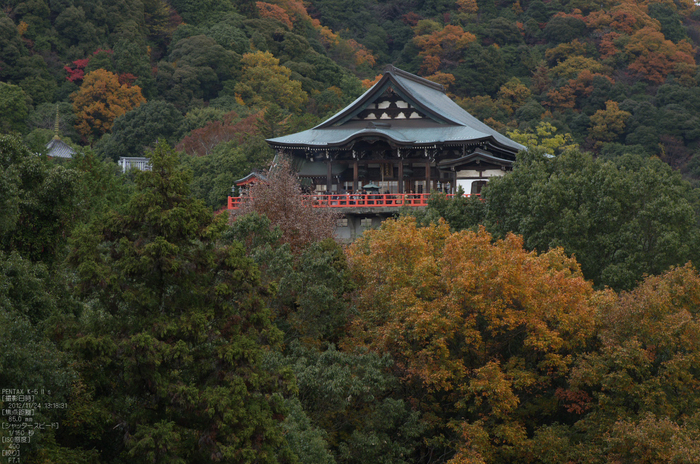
[439, 101]
[405, 91]
[449, 123]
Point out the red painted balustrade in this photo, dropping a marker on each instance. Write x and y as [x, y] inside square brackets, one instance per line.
[352, 200]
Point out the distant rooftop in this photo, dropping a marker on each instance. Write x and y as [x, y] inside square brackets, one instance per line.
[57, 148]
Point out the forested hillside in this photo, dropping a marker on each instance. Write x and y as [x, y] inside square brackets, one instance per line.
[556, 319]
[610, 74]
[121, 75]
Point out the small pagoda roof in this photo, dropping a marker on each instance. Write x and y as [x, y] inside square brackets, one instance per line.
[250, 179]
[404, 109]
[57, 148]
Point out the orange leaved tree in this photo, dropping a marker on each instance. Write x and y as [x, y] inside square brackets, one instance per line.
[102, 99]
[484, 332]
[655, 57]
[268, 10]
[441, 46]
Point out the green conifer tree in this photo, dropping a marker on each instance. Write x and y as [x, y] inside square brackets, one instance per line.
[178, 332]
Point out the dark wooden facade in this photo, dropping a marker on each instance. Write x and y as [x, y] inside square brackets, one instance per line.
[403, 135]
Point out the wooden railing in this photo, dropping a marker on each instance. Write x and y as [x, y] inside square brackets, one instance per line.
[352, 200]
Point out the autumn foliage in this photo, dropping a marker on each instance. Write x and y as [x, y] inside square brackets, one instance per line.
[361, 54]
[656, 57]
[77, 71]
[483, 325]
[367, 83]
[280, 199]
[268, 10]
[264, 80]
[202, 141]
[643, 381]
[102, 99]
[467, 6]
[444, 45]
[609, 123]
[581, 86]
[430, 297]
[651, 334]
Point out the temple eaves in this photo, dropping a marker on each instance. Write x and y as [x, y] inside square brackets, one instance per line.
[406, 111]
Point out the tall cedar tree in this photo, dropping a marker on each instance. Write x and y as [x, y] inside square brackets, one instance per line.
[179, 331]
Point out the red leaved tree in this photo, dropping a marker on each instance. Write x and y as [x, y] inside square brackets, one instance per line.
[202, 141]
[268, 10]
[76, 73]
[281, 200]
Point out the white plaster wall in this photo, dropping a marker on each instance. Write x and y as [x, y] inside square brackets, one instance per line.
[487, 173]
[466, 184]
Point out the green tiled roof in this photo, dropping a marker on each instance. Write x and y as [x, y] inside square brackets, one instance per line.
[446, 122]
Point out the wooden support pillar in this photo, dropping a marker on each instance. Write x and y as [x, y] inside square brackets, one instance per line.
[354, 176]
[329, 177]
[400, 175]
[427, 177]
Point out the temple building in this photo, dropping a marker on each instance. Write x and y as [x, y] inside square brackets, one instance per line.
[403, 135]
[399, 141]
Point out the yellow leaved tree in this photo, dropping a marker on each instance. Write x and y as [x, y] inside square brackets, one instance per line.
[545, 138]
[513, 94]
[608, 124]
[102, 99]
[264, 81]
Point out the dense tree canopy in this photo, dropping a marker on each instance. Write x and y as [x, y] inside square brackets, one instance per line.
[38, 201]
[485, 329]
[621, 220]
[141, 128]
[14, 108]
[468, 334]
[187, 330]
[574, 61]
